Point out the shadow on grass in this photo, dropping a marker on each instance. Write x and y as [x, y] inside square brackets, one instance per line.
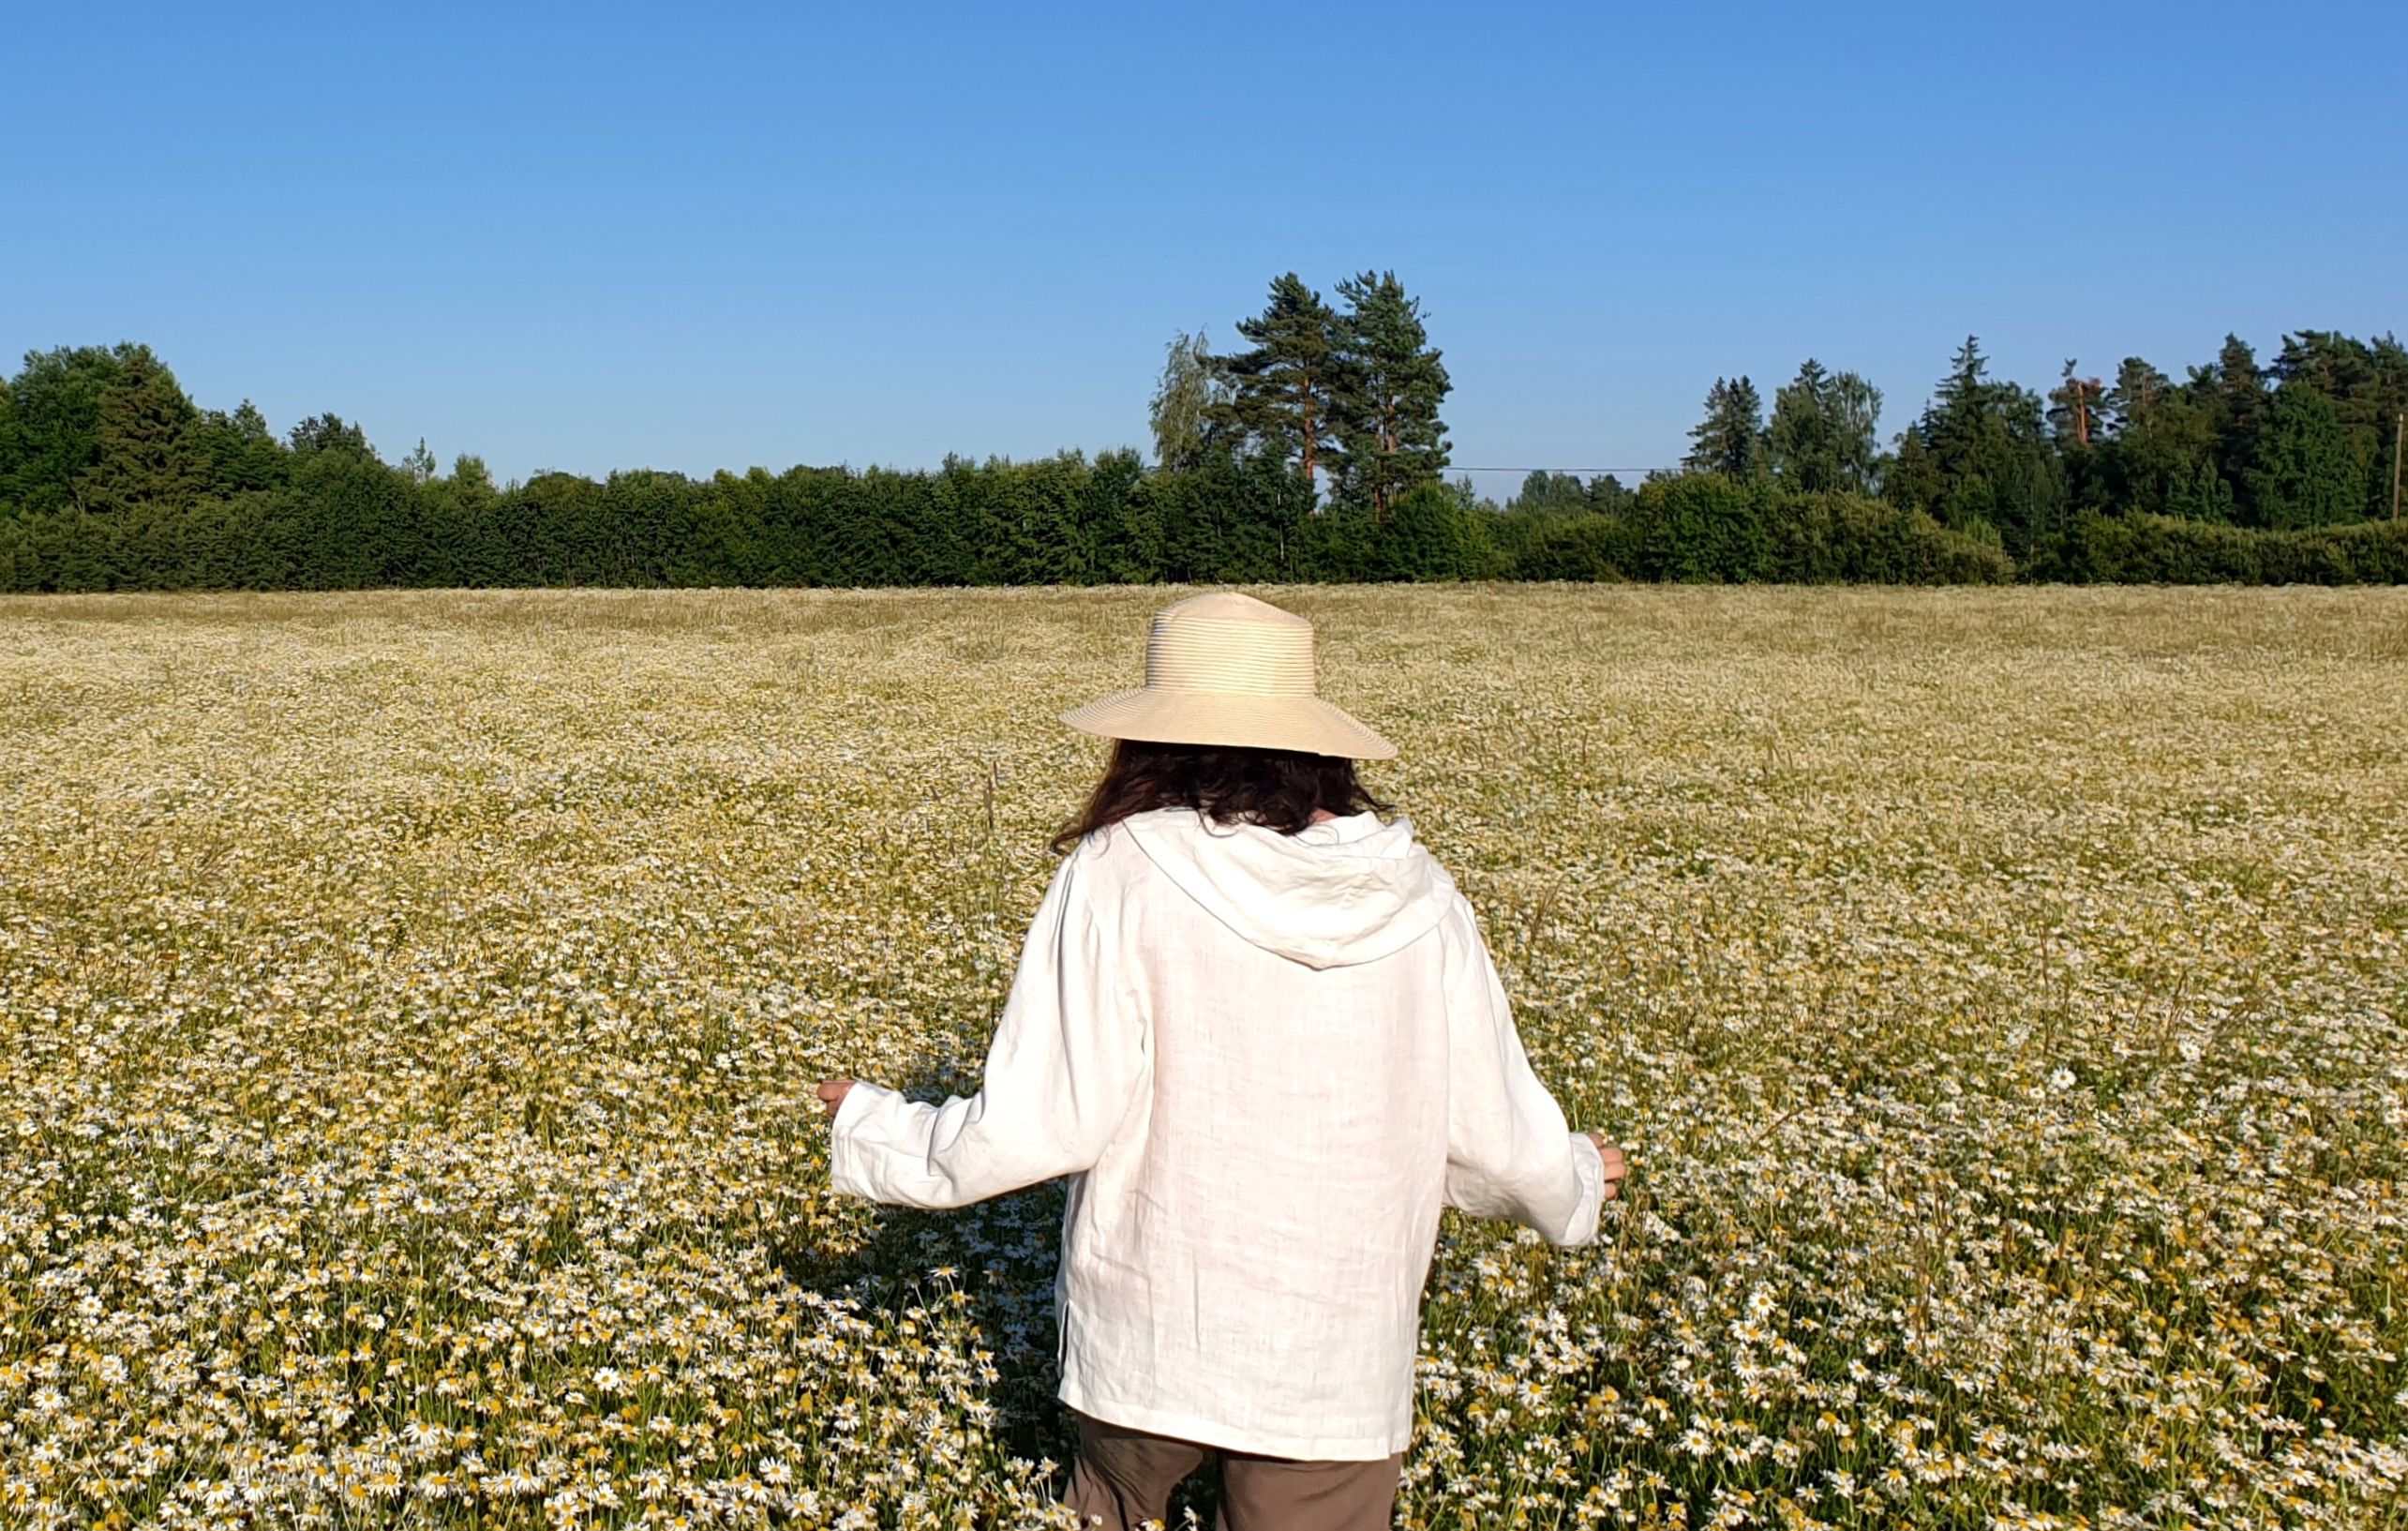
[1002, 1256]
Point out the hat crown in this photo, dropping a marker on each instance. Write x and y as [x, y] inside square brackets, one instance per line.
[1225, 669]
[1231, 645]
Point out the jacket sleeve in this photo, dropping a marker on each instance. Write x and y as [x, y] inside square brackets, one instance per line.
[1068, 1058]
[1509, 1153]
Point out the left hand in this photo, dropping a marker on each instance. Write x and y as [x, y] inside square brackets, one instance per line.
[832, 1093]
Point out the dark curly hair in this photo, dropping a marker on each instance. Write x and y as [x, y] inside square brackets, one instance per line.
[1278, 789]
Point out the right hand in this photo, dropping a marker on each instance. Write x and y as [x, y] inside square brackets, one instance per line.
[832, 1095]
[1616, 1167]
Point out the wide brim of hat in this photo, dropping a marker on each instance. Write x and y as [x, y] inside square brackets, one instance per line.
[1195, 717]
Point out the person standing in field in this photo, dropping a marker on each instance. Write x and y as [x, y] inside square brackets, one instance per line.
[1256, 1025]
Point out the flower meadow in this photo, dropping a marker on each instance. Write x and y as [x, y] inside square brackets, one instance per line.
[410, 1004]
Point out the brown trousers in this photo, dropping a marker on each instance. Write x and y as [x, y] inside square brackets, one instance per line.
[1124, 1479]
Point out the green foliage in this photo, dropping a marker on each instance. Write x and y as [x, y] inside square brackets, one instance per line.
[1706, 528]
[1431, 532]
[419, 462]
[2234, 391]
[1855, 539]
[1390, 386]
[1702, 528]
[331, 432]
[1822, 435]
[2076, 411]
[2156, 448]
[114, 480]
[12, 448]
[55, 435]
[2224, 446]
[1181, 410]
[1281, 393]
[145, 450]
[1589, 548]
[1730, 441]
[242, 452]
[2099, 549]
[1979, 460]
[2366, 384]
[1546, 496]
[1234, 520]
[2304, 471]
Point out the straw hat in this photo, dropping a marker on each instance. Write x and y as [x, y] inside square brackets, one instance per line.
[1226, 669]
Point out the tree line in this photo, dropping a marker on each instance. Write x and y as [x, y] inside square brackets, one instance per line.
[1314, 451]
[2286, 472]
[2311, 439]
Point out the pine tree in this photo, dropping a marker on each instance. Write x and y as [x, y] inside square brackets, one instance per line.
[2073, 408]
[2139, 389]
[1390, 385]
[1730, 440]
[2240, 385]
[148, 452]
[1280, 392]
[2234, 392]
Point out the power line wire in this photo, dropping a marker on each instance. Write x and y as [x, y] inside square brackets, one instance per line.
[1455, 470]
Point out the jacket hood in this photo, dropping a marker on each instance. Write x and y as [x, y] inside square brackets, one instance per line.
[1340, 891]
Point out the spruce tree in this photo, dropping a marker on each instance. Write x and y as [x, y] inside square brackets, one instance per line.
[1959, 419]
[242, 452]
[148, 453]
[1979, 460]
[12, 449]
[1390, 385]
[1279, 402]
[2305, 473]
[1730, 440]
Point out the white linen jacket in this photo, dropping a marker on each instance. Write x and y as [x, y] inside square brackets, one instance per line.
[1266, 1061]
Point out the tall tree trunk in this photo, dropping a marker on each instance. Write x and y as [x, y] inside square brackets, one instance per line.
[1304, 395]
[1388, 453]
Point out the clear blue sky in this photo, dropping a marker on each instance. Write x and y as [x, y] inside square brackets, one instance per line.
[702, 236]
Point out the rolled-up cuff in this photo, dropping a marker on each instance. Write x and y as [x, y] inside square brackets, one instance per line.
[853, 1138]
[1589, 1169]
